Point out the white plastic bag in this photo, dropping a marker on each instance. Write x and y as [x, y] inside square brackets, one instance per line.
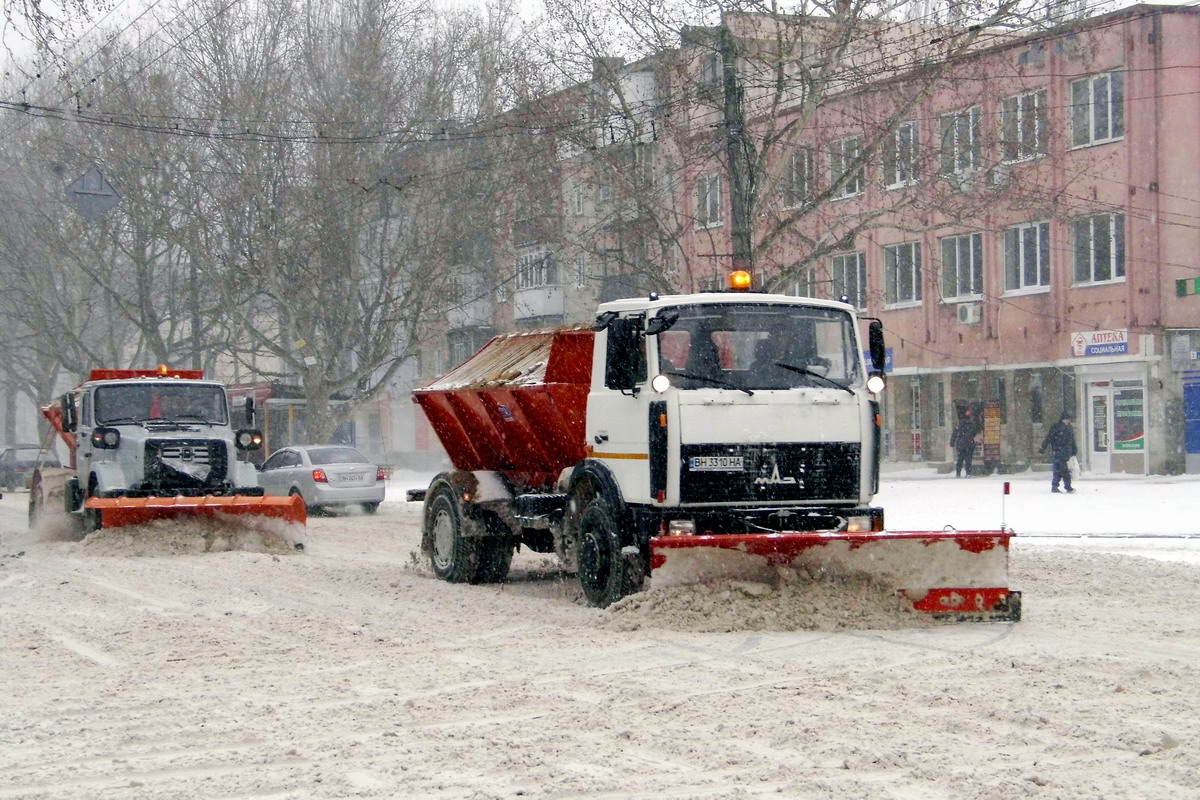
[1073, 465]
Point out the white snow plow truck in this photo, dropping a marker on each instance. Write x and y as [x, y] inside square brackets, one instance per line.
[147, 445]
[685, 438]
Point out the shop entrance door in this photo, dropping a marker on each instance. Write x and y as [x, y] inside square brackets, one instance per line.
[1115, 427]
[1097, 427]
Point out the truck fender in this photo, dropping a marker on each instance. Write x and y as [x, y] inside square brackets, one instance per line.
[109, 478]
[592, 478]
[468, 489]
[245, 474]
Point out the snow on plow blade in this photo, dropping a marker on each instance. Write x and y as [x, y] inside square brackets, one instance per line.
[953, 574]
[116, 512]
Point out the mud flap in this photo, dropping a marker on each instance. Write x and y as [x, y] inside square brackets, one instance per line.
[116, 512]
[960, 575]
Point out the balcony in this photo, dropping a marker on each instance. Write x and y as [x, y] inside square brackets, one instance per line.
[538, 301]
[475, 313]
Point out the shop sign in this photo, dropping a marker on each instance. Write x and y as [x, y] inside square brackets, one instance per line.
[1100, 343]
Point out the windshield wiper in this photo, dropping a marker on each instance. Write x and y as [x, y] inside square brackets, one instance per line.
[123, 421]
[717, 381]
[810, 374]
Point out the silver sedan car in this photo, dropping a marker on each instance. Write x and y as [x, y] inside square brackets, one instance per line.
[325, 476]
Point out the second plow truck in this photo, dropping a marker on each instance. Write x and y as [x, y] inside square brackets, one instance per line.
[151, 444]
[687, 438]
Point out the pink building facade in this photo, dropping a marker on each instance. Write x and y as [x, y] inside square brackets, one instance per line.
[1028, 233]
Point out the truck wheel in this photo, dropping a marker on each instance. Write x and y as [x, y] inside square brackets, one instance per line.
[454, 558]
[605, 573]
[495, 554]
[37, 502]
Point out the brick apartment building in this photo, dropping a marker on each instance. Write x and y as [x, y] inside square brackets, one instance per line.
[1025, 226]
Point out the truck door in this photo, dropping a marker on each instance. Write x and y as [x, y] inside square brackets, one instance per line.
[618, 431]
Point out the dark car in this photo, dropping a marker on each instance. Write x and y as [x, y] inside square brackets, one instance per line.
[18, 462]
[324, 476]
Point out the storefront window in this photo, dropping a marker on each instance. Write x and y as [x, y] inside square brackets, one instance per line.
[1129, 421]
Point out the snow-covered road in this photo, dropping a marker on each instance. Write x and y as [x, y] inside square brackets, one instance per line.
[347, 670]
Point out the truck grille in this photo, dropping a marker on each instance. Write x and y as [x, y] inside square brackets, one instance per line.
[712, 473]
[178, 465]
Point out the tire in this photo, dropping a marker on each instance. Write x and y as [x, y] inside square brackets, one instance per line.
[370, 508]
[37, 502]
[92, 519]
[307, 508]
[605, 573]
[454, 557]
[495, 554]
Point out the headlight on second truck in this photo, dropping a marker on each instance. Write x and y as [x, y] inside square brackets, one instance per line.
[660, 383]
[106, 438]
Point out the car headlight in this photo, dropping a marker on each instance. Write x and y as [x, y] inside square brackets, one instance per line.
[660, 383]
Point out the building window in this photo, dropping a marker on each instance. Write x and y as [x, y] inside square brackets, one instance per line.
[708, 201]
[1100, 248]
[900, 157]
[914, 397]
[710, 69]
[806, 282]
[577, 200]
[1097, 109]
[962, 266]
[1027, 256]
[536, 269]
[1037, 399]
[845, 170]
[849, 274]
[580, 270]
[940, 402]
[902, 274]
[798, 181]
[959, 152]
[1002, 397]
[1023, 127]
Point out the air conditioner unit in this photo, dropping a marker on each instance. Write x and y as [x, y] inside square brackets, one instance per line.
[970, 313]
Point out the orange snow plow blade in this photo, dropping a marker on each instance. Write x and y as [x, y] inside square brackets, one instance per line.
[116, 512]
[953, 574]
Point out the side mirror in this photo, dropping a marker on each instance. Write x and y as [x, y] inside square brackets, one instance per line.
[878, 348]
[70, 413]
[624, 354]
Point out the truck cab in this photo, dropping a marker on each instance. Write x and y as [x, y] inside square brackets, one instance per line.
[718, 410]
[138, 434]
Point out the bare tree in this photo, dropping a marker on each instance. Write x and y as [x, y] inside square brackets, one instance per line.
[754, 92]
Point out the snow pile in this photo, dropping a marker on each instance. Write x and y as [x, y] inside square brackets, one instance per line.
[794, 601]
[218, 534]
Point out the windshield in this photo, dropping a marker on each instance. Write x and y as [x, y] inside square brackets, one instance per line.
[337, 455]
[138, 402]
[759, 346]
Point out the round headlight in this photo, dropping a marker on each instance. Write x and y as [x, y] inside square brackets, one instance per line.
[875, 384]
[660, 383]
[111, 438]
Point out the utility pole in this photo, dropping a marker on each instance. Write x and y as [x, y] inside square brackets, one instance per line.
[738, 154]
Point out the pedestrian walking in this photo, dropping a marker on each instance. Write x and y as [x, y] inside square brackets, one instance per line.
[1060, 440]
[963, 442]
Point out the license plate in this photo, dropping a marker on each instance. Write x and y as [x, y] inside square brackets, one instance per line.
[715, 463]
[353, 478]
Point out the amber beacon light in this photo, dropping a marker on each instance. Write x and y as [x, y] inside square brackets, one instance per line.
[739, 281]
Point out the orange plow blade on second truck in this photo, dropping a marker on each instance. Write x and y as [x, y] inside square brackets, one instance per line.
[116, 512]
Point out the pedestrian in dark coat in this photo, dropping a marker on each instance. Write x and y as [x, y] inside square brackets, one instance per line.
[963, 442]
[1060, 439]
